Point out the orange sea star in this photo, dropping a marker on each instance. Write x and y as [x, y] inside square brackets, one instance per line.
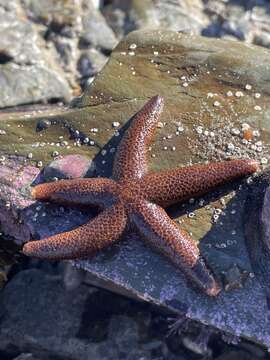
[133, 198]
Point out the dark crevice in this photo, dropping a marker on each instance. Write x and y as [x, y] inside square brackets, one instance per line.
[5, 58]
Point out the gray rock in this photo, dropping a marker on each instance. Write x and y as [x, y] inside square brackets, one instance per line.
[61, 13]
[117, 20]
[96, 32]
[257, 230]
[28, 73]
[182, 15]
[126, 16]
[201, 74]
[49, 322]
[91, 62]
[26, 356]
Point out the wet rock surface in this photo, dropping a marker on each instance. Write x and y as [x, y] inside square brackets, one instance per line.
[231, 103]
[257, 230]
[85, 322]
[53, 49]
[216, 108]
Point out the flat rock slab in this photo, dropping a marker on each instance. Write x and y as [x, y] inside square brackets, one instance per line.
[216, 107]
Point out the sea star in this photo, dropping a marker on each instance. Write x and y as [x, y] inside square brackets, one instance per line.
[133, 198]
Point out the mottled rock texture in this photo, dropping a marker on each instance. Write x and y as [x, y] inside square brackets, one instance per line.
[217, 107]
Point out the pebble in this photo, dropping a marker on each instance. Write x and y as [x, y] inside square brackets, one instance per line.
[264, 161]
[133, 46]
[239, 94]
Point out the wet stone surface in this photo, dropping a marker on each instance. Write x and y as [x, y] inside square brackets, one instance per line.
[216, 107]
[67, 42]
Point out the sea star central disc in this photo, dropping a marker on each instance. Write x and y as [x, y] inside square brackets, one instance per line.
[135, 197]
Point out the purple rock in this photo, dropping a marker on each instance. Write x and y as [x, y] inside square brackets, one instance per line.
[24, 218]
[69, 167]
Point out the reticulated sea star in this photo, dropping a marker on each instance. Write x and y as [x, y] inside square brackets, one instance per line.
[134, 197]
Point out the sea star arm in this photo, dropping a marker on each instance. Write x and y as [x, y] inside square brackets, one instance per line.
[162, 234]
[172, 186]
[96, 192]
[84, 241]
[131, 157]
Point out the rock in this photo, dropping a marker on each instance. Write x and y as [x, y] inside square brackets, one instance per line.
[18, 212]
[96, 32]
[72, 277]
[91, 62]
[182, 16]
[124, 17]
[71, 166]
[257, 230]
[26, 356]
[236, 355]
[80, 324]
[28, 73]
[216, 107]
[61, 13]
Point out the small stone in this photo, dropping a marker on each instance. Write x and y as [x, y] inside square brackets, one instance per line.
[256, 133]
[248, 87]
[55, 153]
[239, 94]
[245, 126]
[115, 124]
[230, 147]
[235, 131]
[133, 46]
[180, 128]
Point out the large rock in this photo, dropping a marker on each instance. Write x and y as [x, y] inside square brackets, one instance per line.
[96, 32]
[216, 107]
[28, 72]
[49, 322]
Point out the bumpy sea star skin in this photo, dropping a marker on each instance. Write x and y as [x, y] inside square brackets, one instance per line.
[133, 198]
